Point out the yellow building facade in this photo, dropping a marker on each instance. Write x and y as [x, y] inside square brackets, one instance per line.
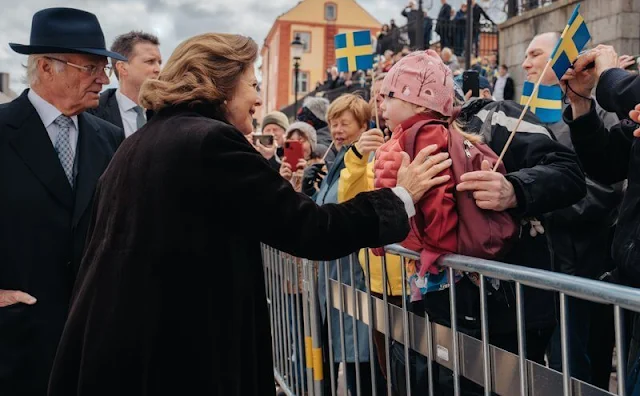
[316, 22]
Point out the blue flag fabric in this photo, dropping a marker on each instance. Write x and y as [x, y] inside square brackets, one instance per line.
[546, 103]
[354, 51]
[574, 37]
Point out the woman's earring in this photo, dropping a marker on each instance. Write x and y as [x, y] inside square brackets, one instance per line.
[225, 102]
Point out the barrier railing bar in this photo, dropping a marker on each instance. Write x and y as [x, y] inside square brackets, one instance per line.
[308, 342]
[505, 379]
[533, 380]
[299, 342]
[583, 288]
[341, 324]
[618, 320]
[484, 323]
[454, 332]
[282, 319]
[334, 384]
[316, 331]
[564, 346]
[405, 326]
[268, 270]
[282, 383]
[291, 344]
[387, 332]
[288, 342]
[372, 351]
[522, 341]
[356, 345]
[430, 357]
[278, 307]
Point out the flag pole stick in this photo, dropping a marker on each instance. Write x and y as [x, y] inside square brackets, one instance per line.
[327, 152]
[375, 98]
[524, 111]
[375, 106]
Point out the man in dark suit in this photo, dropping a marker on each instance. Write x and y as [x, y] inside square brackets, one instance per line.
[120, 106]
[443, 27]
[51, 155]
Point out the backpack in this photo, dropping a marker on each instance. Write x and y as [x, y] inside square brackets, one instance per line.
[482, 233]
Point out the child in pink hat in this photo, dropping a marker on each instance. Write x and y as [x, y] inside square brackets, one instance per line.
[420, 88]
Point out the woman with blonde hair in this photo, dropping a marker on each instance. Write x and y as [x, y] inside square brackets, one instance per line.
[170, 296]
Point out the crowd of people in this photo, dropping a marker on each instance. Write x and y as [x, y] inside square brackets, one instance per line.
[393, 43]
[450, 26]
[130, 258]
[568, 211]
[494, 80]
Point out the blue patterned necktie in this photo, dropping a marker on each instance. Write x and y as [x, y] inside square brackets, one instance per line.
[140, 120]
[63, 145]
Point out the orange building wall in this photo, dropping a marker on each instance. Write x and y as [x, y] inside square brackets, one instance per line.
[307, 16]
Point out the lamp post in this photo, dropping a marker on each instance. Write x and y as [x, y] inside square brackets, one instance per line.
[469, 43]
[297, 48]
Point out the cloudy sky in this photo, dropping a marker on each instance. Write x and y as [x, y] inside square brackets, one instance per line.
[171, 20]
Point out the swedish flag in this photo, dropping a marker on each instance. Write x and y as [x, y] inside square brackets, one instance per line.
[574, 37]
[354, 51]
[546, 103]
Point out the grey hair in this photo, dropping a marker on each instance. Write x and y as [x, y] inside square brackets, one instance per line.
[32, 66]
[318, 106]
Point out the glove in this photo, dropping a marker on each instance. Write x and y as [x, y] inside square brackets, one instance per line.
[312, 175]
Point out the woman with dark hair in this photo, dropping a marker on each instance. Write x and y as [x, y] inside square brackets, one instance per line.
[384, 40]
[170, 297]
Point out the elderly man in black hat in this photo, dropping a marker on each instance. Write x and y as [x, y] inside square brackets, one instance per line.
[51, 156]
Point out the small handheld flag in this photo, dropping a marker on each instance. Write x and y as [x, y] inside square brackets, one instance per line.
[574, 37]
[546, 103]
[354, 51]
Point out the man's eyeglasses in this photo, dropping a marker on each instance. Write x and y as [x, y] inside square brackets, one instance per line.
[91, 69]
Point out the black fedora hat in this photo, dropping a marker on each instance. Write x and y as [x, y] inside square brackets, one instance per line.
[65, 30]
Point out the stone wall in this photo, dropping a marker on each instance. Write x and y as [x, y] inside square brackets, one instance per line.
[612, 22]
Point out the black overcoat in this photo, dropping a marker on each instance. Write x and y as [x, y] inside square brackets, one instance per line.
[43, 228]
[171, 297]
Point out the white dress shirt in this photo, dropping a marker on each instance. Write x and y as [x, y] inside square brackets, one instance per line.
[128, 113]
[403, 194]
[48, 114]
[498, 89]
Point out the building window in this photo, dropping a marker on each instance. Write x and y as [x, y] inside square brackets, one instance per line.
[305, 37]
[303, 82]
[330, 11]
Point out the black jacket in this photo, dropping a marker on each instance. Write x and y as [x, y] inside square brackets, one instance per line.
[477, 13]
[108, 108]
[611, 156]
[43, 227]
[582, 233]
[175, 215]
[412, 18]
[509, 88]
[385, 42]
[444, 19]
[546, 176]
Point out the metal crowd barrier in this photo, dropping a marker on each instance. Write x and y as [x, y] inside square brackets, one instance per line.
[496, 370]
